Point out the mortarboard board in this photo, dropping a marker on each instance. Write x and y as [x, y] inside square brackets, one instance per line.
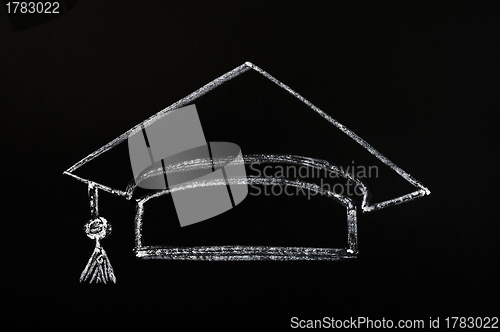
[161, 168]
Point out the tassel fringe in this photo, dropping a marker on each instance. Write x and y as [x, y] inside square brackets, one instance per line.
[98, 268]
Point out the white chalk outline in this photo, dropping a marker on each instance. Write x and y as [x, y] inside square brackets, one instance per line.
[238, 252]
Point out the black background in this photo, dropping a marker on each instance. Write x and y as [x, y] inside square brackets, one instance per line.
[416, 80]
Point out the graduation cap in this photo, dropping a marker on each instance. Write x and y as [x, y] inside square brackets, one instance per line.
[169, 154]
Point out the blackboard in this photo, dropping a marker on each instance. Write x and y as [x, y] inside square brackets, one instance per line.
[415, 80]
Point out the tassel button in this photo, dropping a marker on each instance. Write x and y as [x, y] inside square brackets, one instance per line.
[97, 229]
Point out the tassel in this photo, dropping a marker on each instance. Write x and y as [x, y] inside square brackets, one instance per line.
[98, 268]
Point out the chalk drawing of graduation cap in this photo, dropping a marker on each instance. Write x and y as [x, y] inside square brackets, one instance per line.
[169, 154]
